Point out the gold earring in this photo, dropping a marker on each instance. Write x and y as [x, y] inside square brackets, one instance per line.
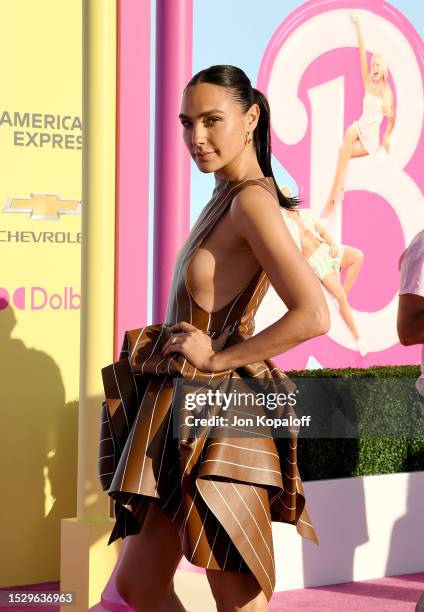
[248, 138]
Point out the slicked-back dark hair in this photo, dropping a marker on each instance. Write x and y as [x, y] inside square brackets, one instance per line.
[238, 84]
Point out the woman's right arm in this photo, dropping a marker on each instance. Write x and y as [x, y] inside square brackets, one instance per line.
[362, 53]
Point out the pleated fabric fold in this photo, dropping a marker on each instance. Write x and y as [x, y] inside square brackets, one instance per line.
[221, 493]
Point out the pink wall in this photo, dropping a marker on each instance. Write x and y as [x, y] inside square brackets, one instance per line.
[132, 165]
[174, 33]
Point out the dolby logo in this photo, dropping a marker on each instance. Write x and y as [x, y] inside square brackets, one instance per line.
[40, 298]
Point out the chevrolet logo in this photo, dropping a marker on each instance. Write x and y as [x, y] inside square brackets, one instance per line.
[43, 206]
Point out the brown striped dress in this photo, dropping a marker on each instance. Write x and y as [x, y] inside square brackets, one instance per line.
[222, 493]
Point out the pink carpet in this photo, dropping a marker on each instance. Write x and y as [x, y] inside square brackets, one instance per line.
[394, 594]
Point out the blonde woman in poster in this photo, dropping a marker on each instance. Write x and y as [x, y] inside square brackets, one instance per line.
[212, 499]
[327, 259]
[362, 137]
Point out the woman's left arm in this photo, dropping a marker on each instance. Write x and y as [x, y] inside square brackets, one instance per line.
[388, 110]
[257, 219]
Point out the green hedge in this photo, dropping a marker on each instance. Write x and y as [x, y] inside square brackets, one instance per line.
[344, 457]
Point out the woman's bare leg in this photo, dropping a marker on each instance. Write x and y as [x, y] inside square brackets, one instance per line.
[236, 592]
[352, 260]
[145, 573]
[334, 286]
[351, 147]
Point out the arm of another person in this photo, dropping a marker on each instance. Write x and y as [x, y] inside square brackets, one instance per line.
[308, 217]
[327, 237]
[257, 219]
[410, 319]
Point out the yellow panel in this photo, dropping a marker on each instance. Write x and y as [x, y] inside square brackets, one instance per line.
[40, 160]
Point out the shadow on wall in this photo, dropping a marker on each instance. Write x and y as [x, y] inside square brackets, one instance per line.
[407, 541]
[334, 406]
[38, 455]
[333, 560]
[339, 537]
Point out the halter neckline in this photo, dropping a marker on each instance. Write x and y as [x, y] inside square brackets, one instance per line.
[226, 182]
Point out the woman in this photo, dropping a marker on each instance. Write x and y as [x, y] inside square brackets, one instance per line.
[209, 499]
[328, 259]
[362, 137]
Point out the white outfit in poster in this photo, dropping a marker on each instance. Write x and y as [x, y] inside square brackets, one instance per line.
[368, 125]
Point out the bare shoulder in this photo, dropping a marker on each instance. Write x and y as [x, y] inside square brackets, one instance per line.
[254, 203]
[257, 218]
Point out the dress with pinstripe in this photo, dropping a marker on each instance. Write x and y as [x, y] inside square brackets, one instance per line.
[222, 493]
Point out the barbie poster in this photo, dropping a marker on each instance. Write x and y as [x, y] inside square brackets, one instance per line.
[344, 80]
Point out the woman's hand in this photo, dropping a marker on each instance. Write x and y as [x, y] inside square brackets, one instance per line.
[196, 346]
